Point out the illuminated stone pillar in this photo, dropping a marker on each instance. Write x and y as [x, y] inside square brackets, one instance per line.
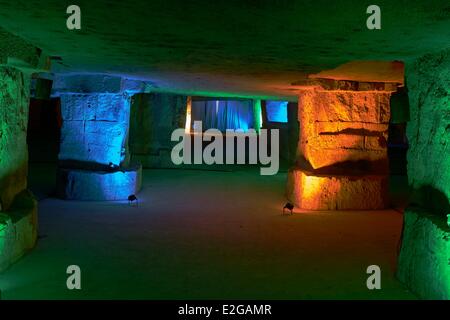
[18, 207]
[342, 150]
[424, 258]
[14, 99]
[94, 158]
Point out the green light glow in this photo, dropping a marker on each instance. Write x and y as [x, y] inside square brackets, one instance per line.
[223, 94]
[257, 114]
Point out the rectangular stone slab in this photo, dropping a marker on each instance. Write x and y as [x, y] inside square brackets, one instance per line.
[313, 192]
[73, 184]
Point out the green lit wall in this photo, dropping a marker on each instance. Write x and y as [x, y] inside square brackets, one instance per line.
[14, 99]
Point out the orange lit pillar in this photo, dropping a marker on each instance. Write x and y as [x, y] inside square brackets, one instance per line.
[342, 158]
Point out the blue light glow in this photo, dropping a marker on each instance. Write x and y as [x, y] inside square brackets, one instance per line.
[277, 111]
[94, 128]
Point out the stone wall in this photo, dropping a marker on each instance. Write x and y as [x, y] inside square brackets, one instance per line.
[14, 99]
[154, 116]
[428, 131]
[16, 51]
[18, 229]
[424, 261]
[288, 133]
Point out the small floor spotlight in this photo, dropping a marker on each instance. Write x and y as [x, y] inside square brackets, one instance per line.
[289, 206]
[112, 167]
[133, 199]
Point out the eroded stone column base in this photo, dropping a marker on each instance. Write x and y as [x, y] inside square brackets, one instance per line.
[18, 229]
[78, 184]
[337, 192]
[424, 261]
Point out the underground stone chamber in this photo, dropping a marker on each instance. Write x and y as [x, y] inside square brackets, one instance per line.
[335, 142]
[363, 121]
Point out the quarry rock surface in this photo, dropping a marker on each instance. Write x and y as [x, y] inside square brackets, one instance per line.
[424, 261]
[429, 131]
[14, 99]
[232, 47]
[17, 52]
[97, 83]
[153, 119]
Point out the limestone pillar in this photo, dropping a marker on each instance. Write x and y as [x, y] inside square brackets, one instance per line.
[14, 99]
[18, 207]
[94, 158]
[342, 149]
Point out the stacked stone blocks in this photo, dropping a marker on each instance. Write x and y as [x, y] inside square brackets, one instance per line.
[342, 150]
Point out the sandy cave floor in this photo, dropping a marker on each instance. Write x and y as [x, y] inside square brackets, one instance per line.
[206, 234]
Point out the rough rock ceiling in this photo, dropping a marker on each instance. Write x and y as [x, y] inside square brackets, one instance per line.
[227, 47]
